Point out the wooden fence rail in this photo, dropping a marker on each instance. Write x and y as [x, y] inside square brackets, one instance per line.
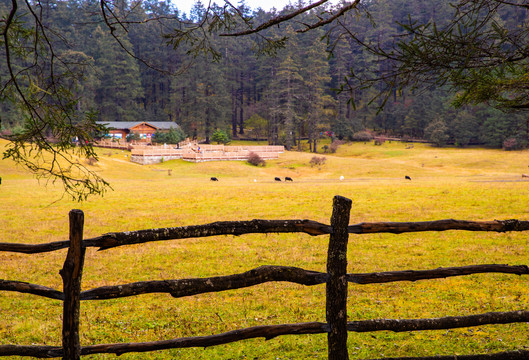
[336, 279]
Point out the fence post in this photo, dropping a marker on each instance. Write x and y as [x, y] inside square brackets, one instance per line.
[336, 290]
[71, 277]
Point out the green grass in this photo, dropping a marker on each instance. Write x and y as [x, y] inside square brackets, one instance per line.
[468, 184]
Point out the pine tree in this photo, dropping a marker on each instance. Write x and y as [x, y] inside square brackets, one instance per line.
[119, 93]
[315, 99]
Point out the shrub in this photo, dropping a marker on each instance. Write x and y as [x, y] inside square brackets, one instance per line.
[255, 160]
[362, 136]
[317, 161]
[513, 144]
[336, 144]
[92, 161]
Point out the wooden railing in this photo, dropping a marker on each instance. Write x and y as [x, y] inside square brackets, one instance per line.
[336, 278]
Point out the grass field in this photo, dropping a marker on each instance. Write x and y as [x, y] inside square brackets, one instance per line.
[466, 184]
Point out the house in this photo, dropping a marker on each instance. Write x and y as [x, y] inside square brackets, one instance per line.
[120, 129]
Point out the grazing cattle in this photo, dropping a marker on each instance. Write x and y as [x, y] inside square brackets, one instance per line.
[525, 175]
[341, 178]
[277, 179]
[407, 177]
[214, 179]
[288, 179]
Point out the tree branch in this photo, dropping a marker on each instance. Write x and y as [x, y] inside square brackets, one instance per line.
[277, 20]
[439, 225]
[450, 322]
[188, 287]
[267, 332]
[111, 240]
[507, 355]
[324, 22]
[271, 331]
[24, 287]
[237, 228]
[414, 275]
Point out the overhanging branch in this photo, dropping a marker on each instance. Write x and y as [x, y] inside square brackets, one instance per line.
[276, 20]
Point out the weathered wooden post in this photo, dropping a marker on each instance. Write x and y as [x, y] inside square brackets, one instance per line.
[337, 283]
[71, 277]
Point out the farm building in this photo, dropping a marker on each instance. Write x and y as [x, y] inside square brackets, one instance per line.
[120, 129]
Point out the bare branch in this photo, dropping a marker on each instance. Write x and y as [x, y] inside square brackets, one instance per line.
[450, 322]
[34, 248]
[262, 274]
[507, 355]
[272, 331]
[330, 19]
[414, 275]
[188, 287]
[439, 225]
[111, 240]
[277, 20]
[237, 228]
[36, 351]
[267, 332]
[27, 288]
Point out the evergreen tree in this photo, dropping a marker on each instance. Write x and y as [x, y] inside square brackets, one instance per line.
[437, 132]
[315, 99]
[464, 126]
[119, 92]
[287, 87]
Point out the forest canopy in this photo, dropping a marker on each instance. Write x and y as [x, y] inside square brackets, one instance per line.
[452, 73]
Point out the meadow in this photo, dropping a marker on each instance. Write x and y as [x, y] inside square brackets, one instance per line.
[447, 183]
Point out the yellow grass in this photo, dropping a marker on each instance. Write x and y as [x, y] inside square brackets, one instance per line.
[468, 184]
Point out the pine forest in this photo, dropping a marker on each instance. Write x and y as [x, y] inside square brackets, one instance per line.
[280, 94]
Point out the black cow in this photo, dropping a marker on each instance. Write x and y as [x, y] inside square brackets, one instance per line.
[288, 179]
[277, 179]
[214, 179]
[407, 177]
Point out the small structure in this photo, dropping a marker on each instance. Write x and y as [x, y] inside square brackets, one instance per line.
[194, 152]
[118, 130]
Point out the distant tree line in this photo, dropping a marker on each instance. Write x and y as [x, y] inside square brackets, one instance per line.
[298, 93]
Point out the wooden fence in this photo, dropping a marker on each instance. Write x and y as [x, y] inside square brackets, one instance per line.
[336, 279]
[191, 152]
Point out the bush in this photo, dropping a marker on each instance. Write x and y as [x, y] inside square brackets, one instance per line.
[92, 161]
[255, 160]
[336, 144]
[317, 161]
[362, 136]
[514, 144]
